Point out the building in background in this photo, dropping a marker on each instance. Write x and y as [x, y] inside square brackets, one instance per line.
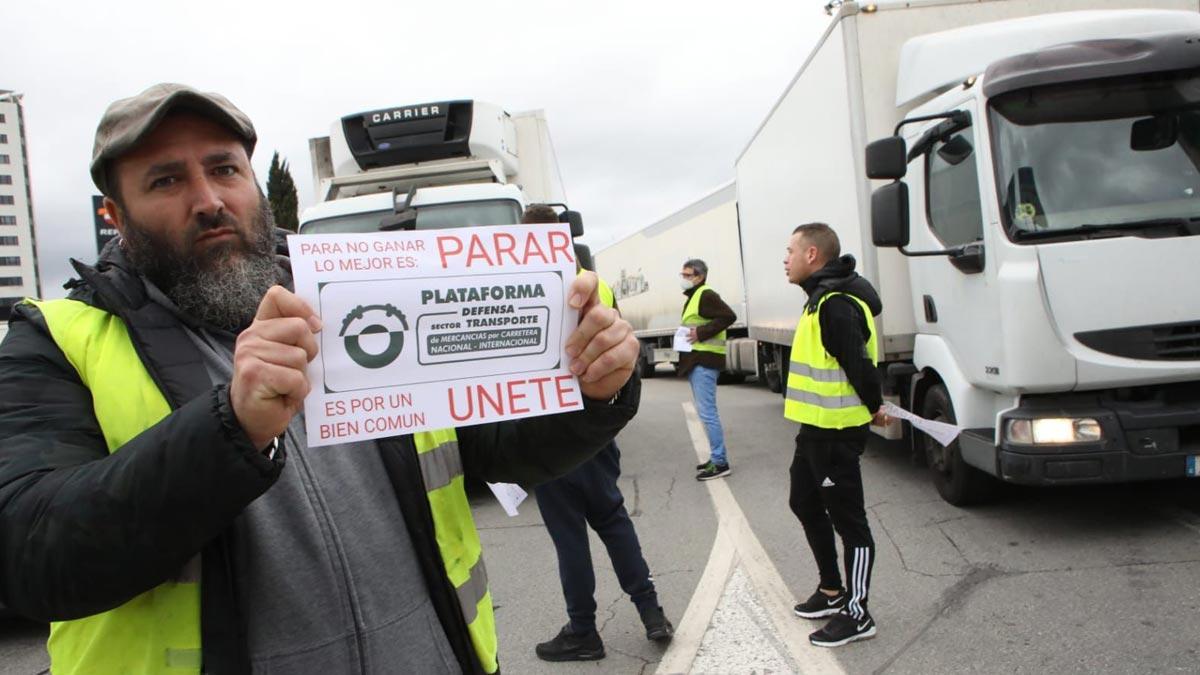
[18, 257]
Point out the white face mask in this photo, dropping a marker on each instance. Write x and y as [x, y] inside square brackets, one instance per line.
[686, 284]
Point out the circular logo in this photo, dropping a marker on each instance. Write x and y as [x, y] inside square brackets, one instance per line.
[374, 335]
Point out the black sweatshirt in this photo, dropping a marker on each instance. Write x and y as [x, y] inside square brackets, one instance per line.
[844, 334]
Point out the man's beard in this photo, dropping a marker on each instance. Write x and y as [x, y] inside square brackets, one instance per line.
[223, 285]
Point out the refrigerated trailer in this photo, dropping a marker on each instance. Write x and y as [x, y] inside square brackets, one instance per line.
[433, 166]
[1037, 246]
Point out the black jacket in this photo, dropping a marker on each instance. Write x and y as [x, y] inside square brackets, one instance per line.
[844, 334]
[83, 531]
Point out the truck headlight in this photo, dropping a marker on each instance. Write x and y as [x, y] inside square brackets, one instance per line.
[1053, 431]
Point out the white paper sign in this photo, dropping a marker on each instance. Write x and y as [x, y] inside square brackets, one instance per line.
[436, 328]
[940, 431]
[680, 343]
[510, 496]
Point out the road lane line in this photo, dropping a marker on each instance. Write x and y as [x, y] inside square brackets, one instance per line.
[689, 634]
[735, 543]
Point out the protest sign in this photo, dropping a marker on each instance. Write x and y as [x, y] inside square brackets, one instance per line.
[437, 328]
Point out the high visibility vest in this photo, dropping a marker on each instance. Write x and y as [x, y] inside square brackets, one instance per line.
[606, 293]
[818, 392]
[159, 630]
[607, 298]
[691, 317]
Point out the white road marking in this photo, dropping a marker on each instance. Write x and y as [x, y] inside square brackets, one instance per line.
[735, 544]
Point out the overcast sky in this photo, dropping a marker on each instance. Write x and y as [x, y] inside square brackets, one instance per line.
[648, 103]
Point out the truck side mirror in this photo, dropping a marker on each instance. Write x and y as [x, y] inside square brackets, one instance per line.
[887, 158]
[889, 215]
[575, 219]
[1154, 133]
[955, 150]
[583, 257]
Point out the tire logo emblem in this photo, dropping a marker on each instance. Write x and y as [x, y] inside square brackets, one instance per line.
[374, 320]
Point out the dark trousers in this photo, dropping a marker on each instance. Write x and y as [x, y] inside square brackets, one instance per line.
[589, 496]
[827, 495]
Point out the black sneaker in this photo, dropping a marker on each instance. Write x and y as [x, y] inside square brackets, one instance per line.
[711, 471]
[569, 646]
[658, 628]
[701, 465]
[820, 605]
[843, 629]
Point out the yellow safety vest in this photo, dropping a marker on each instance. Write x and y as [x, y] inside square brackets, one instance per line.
[159, 630]
[607, 298]
[818, 392]
[691, 317]
[606, 293]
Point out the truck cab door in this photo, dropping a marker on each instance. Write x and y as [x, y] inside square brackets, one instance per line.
[951, 205]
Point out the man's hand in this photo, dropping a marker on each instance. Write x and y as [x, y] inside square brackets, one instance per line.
[603, 350]
[692, 337]
[880, 418]
[269, 362]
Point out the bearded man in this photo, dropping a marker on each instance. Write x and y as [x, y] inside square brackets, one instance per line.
[158, 500]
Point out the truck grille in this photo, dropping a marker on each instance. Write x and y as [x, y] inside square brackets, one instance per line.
[1165, 342]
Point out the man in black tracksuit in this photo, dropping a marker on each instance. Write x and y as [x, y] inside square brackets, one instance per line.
[826, 479]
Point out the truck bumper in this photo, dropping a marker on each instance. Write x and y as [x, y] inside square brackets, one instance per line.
[1094, 467]
[1147, 434]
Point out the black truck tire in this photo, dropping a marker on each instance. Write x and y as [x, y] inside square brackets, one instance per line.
[956, 481]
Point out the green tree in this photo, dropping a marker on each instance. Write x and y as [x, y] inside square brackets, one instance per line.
[281, 193]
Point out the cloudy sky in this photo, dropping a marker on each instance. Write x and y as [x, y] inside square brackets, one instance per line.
[649, 103]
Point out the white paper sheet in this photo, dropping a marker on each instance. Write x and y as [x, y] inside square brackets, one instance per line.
[510, 496]
[680, 343]
[940, 431]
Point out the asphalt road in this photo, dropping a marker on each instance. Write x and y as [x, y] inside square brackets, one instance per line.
[1100, 579]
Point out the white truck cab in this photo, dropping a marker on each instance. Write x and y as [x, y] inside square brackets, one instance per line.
[1029, 212]
[436, 208]
[1048, 204]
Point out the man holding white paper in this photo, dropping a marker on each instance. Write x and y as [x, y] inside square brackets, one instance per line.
[834, 392]
[705, 318]
[149, 509]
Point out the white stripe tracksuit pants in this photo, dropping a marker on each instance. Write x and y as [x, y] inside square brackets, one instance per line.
[827, 495]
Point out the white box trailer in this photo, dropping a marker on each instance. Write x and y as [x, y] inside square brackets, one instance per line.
[991, 330]
[805, 161]
[643, 269]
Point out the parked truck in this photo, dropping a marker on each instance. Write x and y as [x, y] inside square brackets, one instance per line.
[1036, 248]
[643, 269]
[432, 166]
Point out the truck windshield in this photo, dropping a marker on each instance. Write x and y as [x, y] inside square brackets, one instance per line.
[431, 217]
[1103, 158]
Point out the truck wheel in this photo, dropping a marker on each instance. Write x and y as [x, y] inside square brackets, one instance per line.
[955, 480]
[645, 365]
[772, 370]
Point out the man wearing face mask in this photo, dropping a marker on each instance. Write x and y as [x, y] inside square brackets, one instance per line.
[706, 316]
